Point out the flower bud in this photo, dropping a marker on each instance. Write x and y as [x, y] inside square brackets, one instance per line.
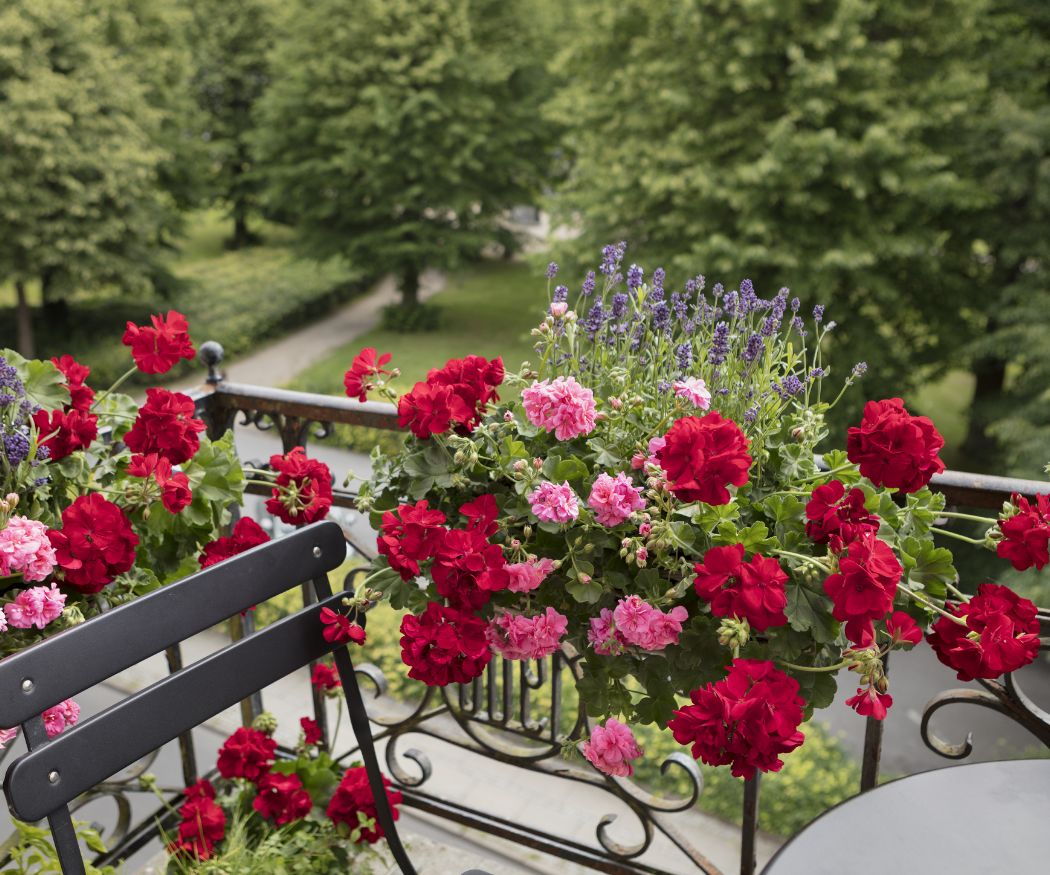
[508, 416]
[265, 723]
[558, 309]
[734, 633]
[641, 556]
[515, 544]
[585, 578]
[644, 529]
[798, 432]
[615, 403]
[527, 532]
[520, 465]
[11, 500]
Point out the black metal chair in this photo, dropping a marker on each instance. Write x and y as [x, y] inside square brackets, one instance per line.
[42, 783]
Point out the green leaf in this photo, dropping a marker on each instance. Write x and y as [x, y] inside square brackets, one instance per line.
[44, 383]
[808, 611]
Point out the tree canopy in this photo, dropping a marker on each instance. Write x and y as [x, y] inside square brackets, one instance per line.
[397, 131]
[79, 161]
[794, 143]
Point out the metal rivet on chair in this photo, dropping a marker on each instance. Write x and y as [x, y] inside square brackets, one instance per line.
[317, 552]
[52, 776]
[27, 685]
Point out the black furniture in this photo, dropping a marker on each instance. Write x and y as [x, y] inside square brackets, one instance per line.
[43, 782]
[977, 819]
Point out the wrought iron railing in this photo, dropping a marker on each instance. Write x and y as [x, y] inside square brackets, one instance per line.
[523, 714]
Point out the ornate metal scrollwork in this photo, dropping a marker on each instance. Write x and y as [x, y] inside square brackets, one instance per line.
[1005, 697]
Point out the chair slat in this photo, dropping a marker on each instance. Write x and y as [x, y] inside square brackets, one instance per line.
[101, 746]
[78, 658]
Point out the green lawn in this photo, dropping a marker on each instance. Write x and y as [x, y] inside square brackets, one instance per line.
[238, 298]
[486, 310]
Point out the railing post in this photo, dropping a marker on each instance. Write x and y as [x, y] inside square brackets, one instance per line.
[749, 827]
[873, 730]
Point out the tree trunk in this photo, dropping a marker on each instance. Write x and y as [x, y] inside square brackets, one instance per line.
[410, 286]
[242, 235]
[978, 447]
[25, 322]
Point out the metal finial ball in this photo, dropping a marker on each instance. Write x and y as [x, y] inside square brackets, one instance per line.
[212, 354]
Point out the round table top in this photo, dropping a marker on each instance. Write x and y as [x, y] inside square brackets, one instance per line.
[982, 818]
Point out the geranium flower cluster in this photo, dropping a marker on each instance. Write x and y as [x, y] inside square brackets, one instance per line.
[81, 514]
[281, 796]
[655, 495]
[452, 397]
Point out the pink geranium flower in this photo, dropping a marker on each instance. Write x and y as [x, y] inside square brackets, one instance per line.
[602, 634]
[61, 716]
[25, 548]
[614, 499]
[518, 637]
[562, 406]
[553, 503]
[527, 576]
[694, 390]
[642, 625]
[37, 606]
[611, 748]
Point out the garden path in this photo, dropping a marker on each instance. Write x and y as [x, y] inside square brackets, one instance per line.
[278, 362]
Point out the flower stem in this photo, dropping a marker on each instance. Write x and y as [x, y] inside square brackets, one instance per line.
[804, 558]
[957, 536]
[814, 668]
[821, 474]
[119, 382]
[930, 605]
[967, 516]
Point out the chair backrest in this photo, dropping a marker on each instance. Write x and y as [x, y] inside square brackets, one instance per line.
[43, 782]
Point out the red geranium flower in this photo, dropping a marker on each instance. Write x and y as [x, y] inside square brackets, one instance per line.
[870, 703]
[166, 426]
[1001, 634]
[80, 395]
[427, 410]
[452, 396]
[410, 535]
[65, 431]
[311, 731]
[747, 719]
[248, 753]
[203, 823]
[444, 646]
[1026, 534]
[893, 448]
[903, 629]
[159, 348]
[864, 586]
[702, 455]
[365, 365]
[836, 518]
[467, 569]
[247, 533]
[325, 677]
[282, 798]
[94, 545]
[482, 513]
[354, 795]
[303, 491]
[175, 491]
[753, 591]
[339, 629]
